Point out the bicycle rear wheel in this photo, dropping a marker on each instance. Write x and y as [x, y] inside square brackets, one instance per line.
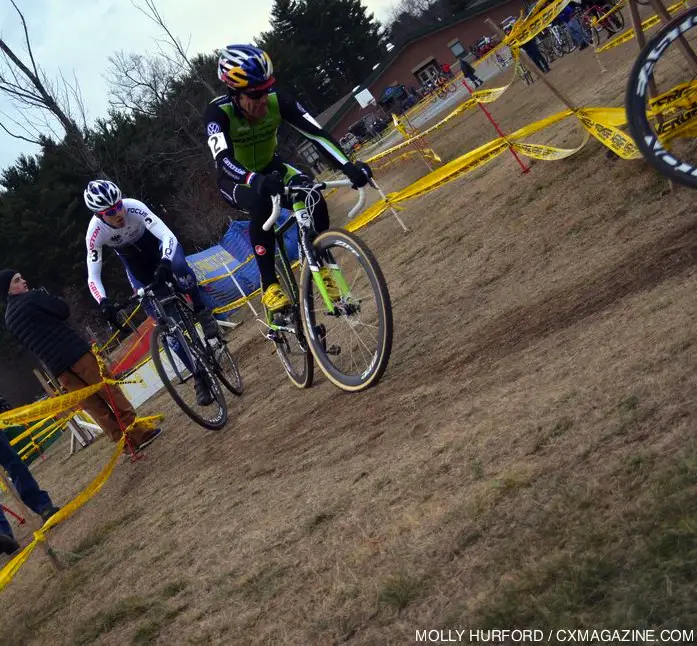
[665, 129]
[613, 23]
[291, 347]
[352, 344]
[225, 366]
[182, 391]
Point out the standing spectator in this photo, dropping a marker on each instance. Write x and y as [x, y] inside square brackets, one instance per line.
[569, 17]
[39, 321]
[533, 51]
[469, 72]
[28, 489]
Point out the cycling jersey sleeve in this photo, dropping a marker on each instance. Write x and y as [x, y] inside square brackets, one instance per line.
[94, 260]
[217, 126]
[295, 115]
[159, 229]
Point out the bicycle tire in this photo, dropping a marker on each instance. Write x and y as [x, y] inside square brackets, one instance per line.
[220, 357]
[595, 37]
[304, 375]
[352, 243]
[636, 101]
[217, 422]
[587, 31]
[614, 23]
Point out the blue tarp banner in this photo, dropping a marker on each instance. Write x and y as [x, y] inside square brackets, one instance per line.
[234, 249]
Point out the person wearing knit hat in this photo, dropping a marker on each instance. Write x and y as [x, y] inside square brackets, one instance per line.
[39, 321]
[6, 276]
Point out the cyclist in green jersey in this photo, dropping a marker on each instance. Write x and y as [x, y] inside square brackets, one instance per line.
[241, 128]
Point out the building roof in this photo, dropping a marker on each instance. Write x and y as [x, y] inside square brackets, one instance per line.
[324, 117]
[340, 108]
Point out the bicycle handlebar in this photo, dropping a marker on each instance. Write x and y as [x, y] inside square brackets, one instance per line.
[276, 199]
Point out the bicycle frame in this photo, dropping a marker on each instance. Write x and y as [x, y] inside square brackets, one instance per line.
[148, 297]
[306, 233]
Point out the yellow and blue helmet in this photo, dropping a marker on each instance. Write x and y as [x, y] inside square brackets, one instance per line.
[245, 67]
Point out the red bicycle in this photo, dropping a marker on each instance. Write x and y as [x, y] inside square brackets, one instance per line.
[598, 18]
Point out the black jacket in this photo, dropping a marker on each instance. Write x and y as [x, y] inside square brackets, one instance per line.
[39, 321]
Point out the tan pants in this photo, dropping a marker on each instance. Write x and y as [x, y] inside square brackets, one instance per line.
[85, 372]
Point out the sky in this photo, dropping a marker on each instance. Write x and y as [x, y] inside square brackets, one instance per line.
[76, 37]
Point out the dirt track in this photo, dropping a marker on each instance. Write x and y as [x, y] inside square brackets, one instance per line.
[499, 476]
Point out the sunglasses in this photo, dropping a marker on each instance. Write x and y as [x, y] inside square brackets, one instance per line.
[256, 94]
[112, 210]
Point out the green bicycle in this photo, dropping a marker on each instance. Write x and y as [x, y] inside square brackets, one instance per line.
[350, 337]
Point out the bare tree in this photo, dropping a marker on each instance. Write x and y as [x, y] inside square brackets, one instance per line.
[180, 54]
[140, 83]
[41, 102]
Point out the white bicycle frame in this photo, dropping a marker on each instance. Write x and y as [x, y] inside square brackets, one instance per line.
[276, 199]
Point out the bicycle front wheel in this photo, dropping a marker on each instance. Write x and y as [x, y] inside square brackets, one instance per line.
[665, 128]
[192, 366]
[352, 343]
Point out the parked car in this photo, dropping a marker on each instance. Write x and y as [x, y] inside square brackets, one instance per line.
[368, 126]
[349, 142]
[483, 45]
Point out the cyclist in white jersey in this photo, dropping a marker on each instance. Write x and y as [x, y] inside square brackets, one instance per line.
[146, 247]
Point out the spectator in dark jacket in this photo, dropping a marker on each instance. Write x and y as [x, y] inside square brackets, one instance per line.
[470, 72]
[40, 323]
[28, 489]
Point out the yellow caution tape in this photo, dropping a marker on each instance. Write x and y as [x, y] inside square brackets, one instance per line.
[619, 142]
[9, 571]
[679, 96]
[647, 24]
[548, 153]
[479, 96]
[679, 126]
[206, 281]
[31, 430]
[538, 21]
[115, 335]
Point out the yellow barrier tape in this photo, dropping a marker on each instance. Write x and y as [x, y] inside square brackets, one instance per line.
[681, 125]
[426, 152]
[678, 96]
[452, 170]
[628, 35]
[65, 512]
[237, 303]
[206, 281]
[536, 22]
[548, 153]
[115, 335]
[479, 96]
[30, 431]
[372, 212]
[8, 572]
[48, 407]
[619, 142]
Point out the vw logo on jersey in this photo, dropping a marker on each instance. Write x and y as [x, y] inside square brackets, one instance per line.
[212, 128]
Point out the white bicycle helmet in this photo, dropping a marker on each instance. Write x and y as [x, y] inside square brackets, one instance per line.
[100, 194]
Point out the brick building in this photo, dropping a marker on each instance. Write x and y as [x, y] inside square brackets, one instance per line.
[419, 56]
